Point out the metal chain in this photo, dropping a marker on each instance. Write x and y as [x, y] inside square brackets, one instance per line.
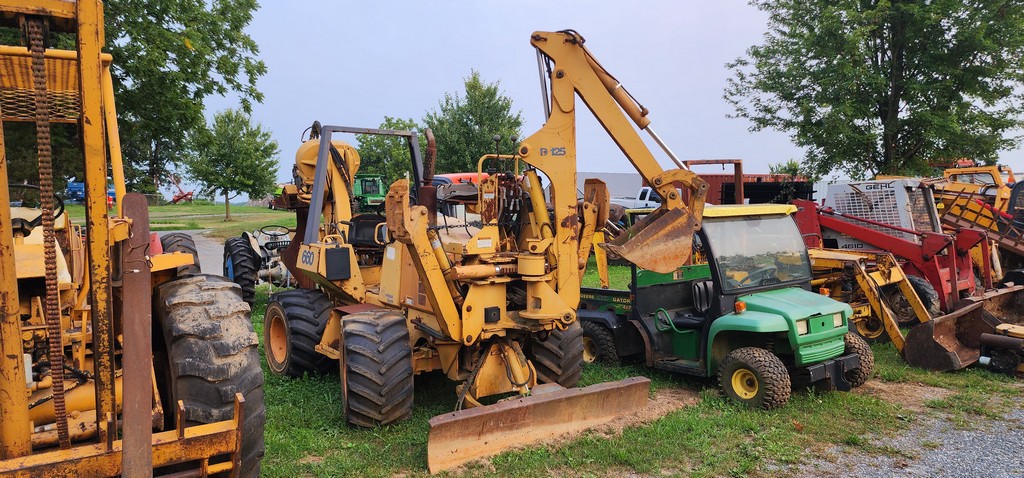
[52, 310]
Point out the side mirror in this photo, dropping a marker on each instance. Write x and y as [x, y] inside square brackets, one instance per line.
[380, 234]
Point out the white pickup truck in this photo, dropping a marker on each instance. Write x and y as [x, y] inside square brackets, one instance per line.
[645, 198]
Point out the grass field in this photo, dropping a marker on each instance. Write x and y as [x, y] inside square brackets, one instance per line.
[207, 217]
[306, 435]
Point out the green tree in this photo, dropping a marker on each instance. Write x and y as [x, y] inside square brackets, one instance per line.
[885, 86]
[464, 126]
[168, 57]
[233, 157]
[388, 155]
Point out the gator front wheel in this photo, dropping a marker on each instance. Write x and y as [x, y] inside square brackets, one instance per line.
[861, 374]
[755, 377]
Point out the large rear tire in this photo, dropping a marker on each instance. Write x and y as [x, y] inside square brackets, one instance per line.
[755, 377]
[207, 352]
[376, 373]
[182, 242]
[559, 358]
[292, 327]
[241, 266]
[901, 307]
[856, 344]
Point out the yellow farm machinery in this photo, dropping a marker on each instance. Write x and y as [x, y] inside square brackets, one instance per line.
[491, 305]
[118, 358]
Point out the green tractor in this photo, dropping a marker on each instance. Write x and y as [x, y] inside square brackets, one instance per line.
[744, 312]
[368, 192]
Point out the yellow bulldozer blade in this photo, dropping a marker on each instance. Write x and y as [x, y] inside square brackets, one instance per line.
[952, 341]
[660, 242]
[458, 437]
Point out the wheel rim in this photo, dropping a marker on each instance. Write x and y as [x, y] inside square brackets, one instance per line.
[744, 383]
[589, 350]
[229, 266]
[277, 335]
[870, 328]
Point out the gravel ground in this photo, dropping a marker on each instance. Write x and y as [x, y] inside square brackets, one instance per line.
[934, 447]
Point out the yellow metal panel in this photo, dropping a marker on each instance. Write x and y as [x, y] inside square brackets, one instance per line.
[171, 260]
[738, 210]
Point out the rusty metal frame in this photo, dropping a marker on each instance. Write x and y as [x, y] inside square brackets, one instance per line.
[323, 158]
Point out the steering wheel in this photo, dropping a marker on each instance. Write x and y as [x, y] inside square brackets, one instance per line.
[761, 274]
[275, 231]
[22, 224]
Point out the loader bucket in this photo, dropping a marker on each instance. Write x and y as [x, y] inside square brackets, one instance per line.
[660, 242]
[1005, 303]
[945, 343]
[458, 437]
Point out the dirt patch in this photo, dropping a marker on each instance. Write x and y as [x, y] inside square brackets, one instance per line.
[311, 459]
[665, 401]
[912, 396]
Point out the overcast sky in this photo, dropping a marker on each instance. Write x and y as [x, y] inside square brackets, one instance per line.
[352, 63]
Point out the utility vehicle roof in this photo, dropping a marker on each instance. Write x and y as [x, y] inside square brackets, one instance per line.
[739, 210]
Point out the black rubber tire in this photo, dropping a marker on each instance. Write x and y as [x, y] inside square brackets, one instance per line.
[241, 265]
[206, 352]
[376, 375]
[602, 343]
[305, 313]
[901, 307]
[856, 344]
[559, 358]
[182, 242]
[772, 379]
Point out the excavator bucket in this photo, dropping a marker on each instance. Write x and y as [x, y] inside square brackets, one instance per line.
[458, 437]
[660, 242]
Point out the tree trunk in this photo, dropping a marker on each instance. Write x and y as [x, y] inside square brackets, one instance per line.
[227, 206]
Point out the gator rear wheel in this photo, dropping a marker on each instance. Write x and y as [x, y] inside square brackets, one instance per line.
[207, 353]
[861, 374]
[598, 344]
[755, 377]
[559, 358]
[181, 242]
[241, 265]
[376, 373]
[292, 327]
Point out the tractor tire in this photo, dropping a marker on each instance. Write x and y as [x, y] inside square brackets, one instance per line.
[559, 358]
[376, 373]
[598, 344]
[901, 307]
[856, 344]
[206, 352]
[182, 242]
[241, 266]
[292, 327]
[755, 377]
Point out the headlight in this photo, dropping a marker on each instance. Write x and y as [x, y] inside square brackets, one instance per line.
[837, 320]
[801, 327]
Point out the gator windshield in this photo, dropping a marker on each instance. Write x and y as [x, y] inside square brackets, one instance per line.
[757, 250]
